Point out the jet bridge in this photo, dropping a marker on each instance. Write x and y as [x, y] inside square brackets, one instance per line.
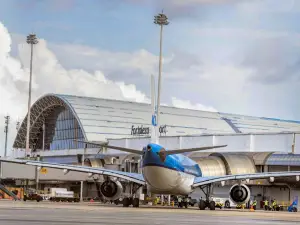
[220, 164]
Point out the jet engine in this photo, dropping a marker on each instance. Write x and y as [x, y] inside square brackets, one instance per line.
[111, 190]
[239, 194]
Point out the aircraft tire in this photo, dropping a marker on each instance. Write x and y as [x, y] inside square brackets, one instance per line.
[212, 205]
[202, 205]
[227, 204]
[126, 202]
[117, 201]
[136, 202]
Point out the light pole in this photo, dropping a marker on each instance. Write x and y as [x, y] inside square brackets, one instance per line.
[32, 40]
[161, 20]
[7, 119]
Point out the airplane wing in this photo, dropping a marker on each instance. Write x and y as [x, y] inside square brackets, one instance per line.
[200, 181]
[134, 177]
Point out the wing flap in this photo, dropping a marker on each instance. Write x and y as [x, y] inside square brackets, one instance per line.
[199, 181]
[134, 177]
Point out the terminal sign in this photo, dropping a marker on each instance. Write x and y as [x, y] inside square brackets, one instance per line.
[43, 171]
[141, 130]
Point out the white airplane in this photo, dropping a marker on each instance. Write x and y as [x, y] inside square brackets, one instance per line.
[163, 172]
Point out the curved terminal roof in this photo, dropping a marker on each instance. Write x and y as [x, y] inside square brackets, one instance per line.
[69, 117]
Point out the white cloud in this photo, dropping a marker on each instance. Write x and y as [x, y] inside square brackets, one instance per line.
[90, 58]
[50, 76]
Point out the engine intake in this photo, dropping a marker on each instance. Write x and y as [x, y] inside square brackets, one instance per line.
[239, 194]
[111, 190]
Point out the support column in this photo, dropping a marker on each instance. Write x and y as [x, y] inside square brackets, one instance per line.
[266, 169]
[81, 182]
[1, 170]
[214, 140]
[37, 175]
[44, 134]
[169, 200]
[251, 147]
[293, 144]
[180, 142]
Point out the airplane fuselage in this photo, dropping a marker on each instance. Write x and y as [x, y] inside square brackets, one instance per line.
[173, 174]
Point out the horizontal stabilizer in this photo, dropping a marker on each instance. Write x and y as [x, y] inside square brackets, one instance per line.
[104, 144]
[180, 151]
[140, 152]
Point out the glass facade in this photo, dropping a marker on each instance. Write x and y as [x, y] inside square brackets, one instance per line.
[61, 128]
[66, 130]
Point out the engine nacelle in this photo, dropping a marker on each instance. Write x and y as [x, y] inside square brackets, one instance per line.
[111, 190]
[239, 194]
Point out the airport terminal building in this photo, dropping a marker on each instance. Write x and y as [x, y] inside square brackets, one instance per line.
[255, 144]
[67, 117]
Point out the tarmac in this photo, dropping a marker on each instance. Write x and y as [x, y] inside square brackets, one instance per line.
[46, 213]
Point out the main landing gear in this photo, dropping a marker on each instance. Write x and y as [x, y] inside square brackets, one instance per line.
[206, 203]
[135, 202]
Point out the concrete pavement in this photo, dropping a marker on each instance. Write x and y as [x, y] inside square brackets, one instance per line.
[46, 213]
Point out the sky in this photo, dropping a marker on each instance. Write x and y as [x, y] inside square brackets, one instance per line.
[234, 56]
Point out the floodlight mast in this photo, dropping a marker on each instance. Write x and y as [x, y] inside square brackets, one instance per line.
[32, 40]
[7, 120]
[162, 20]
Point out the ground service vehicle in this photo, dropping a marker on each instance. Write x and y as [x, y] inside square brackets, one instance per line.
[32, 195]
[62, 195]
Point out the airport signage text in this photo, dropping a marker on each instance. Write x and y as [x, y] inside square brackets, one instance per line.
[141, 130]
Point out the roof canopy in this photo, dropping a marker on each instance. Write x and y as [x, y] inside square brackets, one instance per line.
[101, 119]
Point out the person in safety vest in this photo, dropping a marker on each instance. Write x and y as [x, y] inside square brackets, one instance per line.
[179, 202]
[274, 204]
[266, 206]
[254, 204]
[187, 200]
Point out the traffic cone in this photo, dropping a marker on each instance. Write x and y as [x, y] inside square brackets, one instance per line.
[251, 208]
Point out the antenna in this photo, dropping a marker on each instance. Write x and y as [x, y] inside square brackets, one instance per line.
[154, 138]
[161, 20]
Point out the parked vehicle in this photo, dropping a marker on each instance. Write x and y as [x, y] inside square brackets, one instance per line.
[62, 195]
[32, 195]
